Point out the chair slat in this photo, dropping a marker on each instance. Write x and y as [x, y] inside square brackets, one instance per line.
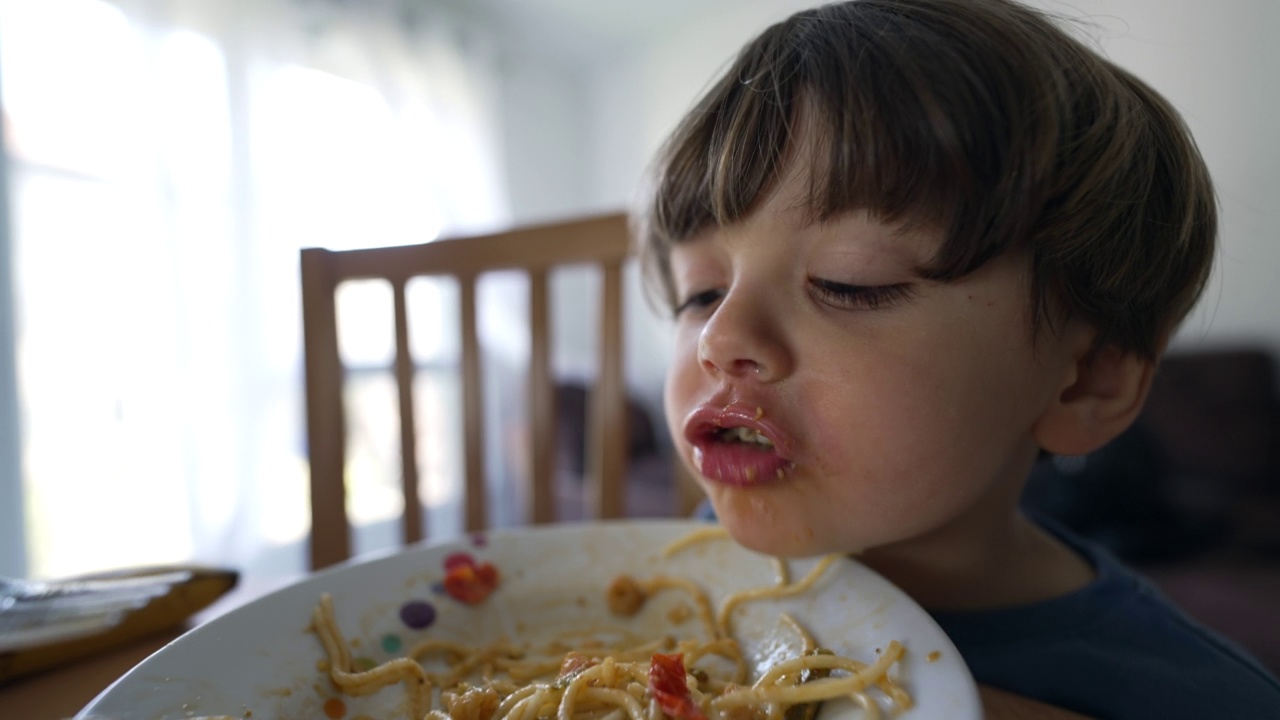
[608, 406]
[472, 409]
[411, 525]
[542, 403]
[330, 540]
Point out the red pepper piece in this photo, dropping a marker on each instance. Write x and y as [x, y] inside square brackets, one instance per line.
[459, 558]
[573, 664]
[667, 683]
[471, 584]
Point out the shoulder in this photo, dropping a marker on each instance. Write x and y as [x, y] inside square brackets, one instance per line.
[1117, 648]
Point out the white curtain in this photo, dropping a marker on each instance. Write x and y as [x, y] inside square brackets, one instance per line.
[168, 159]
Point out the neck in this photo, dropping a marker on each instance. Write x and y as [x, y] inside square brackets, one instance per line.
[991, 557]
[1024, 567]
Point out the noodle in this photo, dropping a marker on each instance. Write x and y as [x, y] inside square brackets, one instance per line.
[627, 679]
[697, 536]
[810, 645]
[775, 591]
[368, 681]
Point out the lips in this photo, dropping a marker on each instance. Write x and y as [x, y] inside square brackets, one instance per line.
[736, 445]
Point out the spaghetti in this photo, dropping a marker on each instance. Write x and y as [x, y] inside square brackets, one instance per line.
[593, 678]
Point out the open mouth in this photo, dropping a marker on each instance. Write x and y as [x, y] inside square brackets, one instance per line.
[743, 435]
[737, 456]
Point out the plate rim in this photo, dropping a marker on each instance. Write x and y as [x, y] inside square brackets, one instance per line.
[381, 558]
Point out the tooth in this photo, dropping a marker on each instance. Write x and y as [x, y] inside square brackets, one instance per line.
[742, 434]
[751, 474]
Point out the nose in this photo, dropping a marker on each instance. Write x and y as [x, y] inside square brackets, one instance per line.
[742, 339]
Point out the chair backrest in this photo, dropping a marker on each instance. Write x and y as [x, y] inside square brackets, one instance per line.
[601, 240]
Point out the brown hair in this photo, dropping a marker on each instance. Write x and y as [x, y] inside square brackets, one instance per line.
[980, 117]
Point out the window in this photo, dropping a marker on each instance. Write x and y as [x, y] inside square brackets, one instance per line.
[163, 177]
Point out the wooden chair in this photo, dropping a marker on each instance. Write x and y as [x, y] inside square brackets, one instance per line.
[602, 240]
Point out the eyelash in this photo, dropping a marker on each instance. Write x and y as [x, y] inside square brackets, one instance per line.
[702, 299]
[869, 297]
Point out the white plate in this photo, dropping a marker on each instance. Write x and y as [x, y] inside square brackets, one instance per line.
[260, 658]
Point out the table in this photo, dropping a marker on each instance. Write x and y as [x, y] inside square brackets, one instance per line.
[61, 692]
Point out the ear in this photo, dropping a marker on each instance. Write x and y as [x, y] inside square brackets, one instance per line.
[1101, 396]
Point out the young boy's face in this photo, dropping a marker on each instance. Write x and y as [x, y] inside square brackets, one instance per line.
[891, 408]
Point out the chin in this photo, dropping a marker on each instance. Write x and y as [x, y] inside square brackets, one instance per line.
[754, 525]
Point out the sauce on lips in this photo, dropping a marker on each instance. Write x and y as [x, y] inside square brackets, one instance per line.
[734, 445]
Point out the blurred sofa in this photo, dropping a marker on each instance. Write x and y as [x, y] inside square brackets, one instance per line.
[1190, 495]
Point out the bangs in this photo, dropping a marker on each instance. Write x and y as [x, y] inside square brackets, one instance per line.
[897, 122]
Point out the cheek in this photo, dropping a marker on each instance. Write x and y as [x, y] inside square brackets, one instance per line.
[919, 428]
[672, 407]
[682, 381]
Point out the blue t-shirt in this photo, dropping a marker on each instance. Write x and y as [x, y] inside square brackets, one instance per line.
[1115, 650]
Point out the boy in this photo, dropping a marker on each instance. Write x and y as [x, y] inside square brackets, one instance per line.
[910, 245]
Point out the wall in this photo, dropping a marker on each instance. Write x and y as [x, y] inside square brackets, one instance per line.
[1216, 62]
[543, 124]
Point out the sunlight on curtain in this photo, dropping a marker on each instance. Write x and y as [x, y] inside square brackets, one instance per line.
[169, 159]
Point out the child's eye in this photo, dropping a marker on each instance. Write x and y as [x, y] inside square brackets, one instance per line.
[701, 299]
[869, 297]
